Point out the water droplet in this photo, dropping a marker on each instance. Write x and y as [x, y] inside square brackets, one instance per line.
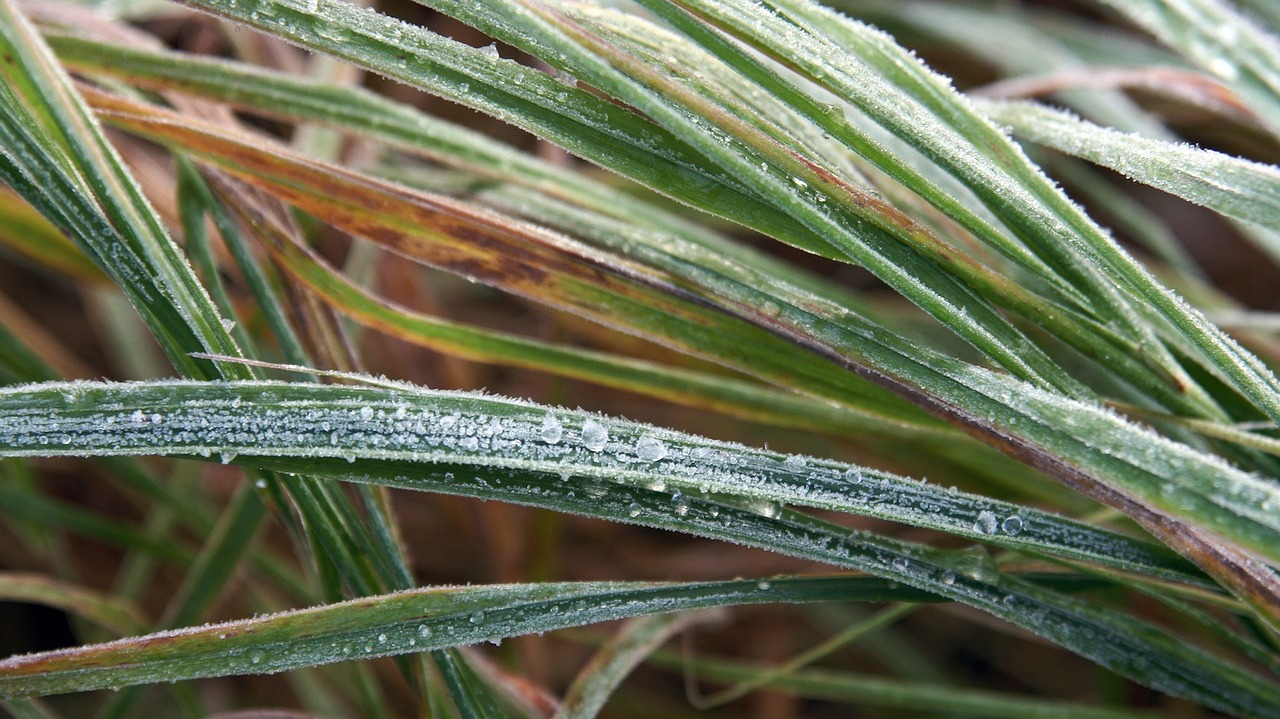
[382, 639]
[650, 449]
[901, 563]
[763, 585]
[476, 617]
[681, 504]
[1012, 525]
[227, 456]
[260, 484]
[424, 630]
[799, 182]
[633, 510]
[228, 325]
[491, 50]
[366, 413]
[986, 523]
[948, 578]
[594, 435]
[552, 430]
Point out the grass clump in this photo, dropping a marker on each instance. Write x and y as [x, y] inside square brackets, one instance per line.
[255, 445]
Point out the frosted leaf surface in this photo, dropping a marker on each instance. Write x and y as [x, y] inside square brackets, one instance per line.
[402, 423]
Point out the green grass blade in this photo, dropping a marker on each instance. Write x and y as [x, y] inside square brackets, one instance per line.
[399, 424]
[107, 612]
[600, 678]
[1232, 186]
[405, 622]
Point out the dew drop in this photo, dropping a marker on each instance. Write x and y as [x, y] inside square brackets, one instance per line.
[763, 585]
[799, 182]
[650, 449]
[382, 639]
[476, 617]
[424, 631]
[227, 456]
[901, 564]
[681, 504]
[260, 484]
[366, 413]
[1012, 525]
[633, 510]
[986, 523]
[552, 430]
[594, 435]
[948, 578]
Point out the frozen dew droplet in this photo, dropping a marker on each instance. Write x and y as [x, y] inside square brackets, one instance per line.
[594, 435]
[260, 484]
[650, 449]
[227, 456]
[491, 50]
[1012, 525]
[228, 325]
[763, 585]
[795, 461]
[633, 510]
[948, 578]
[382, 639]
[853, 476]
[901, 563]
[552, 430]
[986, 523]
[424, 631]
[681, 504]
[476, 617]
[366, 413]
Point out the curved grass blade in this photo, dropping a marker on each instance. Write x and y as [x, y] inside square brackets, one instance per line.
[635, 641]
[1232, 186]
[399, 423]
[107, 612]
[405, 622]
